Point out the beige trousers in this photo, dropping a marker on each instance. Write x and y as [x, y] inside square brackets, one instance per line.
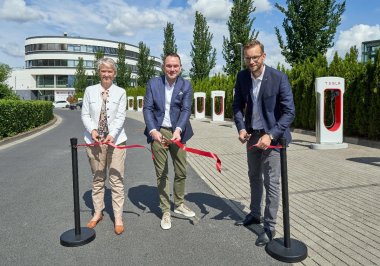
[103, 158]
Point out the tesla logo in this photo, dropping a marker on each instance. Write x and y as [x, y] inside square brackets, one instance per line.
[330, 83]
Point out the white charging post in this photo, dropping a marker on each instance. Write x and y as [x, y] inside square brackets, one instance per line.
[140, 103]
[199, 107]
[329, 136]
[218, 115]
[130, 102]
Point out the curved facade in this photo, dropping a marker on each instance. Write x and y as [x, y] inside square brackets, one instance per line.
[51, 61]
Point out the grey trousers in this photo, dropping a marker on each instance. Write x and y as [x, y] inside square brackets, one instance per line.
[264, 171]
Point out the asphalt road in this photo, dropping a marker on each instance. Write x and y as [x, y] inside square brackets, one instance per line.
[36, 207]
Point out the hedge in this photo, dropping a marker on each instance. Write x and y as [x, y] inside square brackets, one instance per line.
[19, 116]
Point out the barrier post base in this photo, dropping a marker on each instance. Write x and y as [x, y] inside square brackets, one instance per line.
[70, 239]
[295, 253]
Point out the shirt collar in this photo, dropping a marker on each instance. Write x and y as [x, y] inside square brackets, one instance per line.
[167, 83]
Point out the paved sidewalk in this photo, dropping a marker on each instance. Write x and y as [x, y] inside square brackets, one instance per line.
[333, 194]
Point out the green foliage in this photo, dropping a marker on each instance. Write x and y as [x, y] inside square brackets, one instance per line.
[310, 26]
[145, 65]
[7, 93]
[5, 72]
[202, 54]
[95, 74]
[123, 77]
[169, 45]
[19, 116]
[80, 79]
[240, 30]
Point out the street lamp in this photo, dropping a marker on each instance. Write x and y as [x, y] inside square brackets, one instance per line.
[241, 55]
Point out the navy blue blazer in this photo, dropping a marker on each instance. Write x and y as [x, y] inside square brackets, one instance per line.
[180, 107]
[275, 100]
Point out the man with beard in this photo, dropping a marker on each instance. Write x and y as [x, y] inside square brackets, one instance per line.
[263, 111]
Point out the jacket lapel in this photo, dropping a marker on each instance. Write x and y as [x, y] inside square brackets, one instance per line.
[176, 90]
[161, 92]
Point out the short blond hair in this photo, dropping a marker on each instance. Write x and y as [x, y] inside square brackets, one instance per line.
[254, 43]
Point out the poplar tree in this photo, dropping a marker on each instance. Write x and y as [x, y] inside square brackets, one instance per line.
[123, 76]
[145, 65]
[169, 45]
[80, 78]
[240, 30]
[95, 73]
[202, 53]
[310, 26]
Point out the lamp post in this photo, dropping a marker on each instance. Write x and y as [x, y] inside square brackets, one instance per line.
[241, 55]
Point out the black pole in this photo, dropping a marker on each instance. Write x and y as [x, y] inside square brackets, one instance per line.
[79, 235]
[286, 249]
[74, 162]
[285, 193]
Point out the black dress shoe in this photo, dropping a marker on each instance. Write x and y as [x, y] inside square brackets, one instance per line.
[265, 237]
[248, 220]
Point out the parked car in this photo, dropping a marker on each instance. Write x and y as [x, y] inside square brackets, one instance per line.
[61, 104]
[77, 105]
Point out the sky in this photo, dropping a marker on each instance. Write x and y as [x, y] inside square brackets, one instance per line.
[132, 21]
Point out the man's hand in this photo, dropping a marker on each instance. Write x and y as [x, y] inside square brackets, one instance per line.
[264, 142]
[156, 135]
[176, 135]
[109, 138]
[244, 136]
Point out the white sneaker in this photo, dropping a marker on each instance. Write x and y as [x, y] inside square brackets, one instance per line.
[184, 210]
[166, 222]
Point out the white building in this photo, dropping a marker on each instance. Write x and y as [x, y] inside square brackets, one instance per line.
[51, 61]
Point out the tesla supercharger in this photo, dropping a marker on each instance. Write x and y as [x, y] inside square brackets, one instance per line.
[200, 104]
[217, 109]
[329, 94]
[130, 103]
[140, 103]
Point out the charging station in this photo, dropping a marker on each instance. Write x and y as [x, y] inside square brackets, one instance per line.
[329, 94]
[200, 105]
[217, 108]
[130, 103]
[140, 103]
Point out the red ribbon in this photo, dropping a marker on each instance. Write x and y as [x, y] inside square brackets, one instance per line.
[218, 164]
[270, 146]
[113, 145]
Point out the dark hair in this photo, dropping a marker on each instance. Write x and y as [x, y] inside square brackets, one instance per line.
[253, 43]
[173, 55]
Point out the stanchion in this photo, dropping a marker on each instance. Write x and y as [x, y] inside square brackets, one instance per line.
[286, 249]
[79, 235]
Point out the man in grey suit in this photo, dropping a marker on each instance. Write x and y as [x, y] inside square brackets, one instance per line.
[263, 111]
[167, 110]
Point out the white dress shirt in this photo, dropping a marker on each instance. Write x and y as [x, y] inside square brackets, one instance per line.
[256, 85]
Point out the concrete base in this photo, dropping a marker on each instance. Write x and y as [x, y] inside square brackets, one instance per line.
[328, 146]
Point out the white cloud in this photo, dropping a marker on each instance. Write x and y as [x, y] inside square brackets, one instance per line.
[16, 10]
[262, 5]
[212, 9]
[354, 37]
[12, 49]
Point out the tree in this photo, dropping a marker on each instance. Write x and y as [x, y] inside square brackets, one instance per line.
[145, 65]
[169, 41]
[310, 26]
[239, 26]
[80, 79]
[6, 92]
[122, 78]
[95, 74]
[5, 72]
[202, 54]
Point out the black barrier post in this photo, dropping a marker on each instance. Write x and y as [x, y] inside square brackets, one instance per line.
[79, 235]
[286, 249]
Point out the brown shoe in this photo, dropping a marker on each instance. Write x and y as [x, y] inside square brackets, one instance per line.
[92, 223]
[119, 229]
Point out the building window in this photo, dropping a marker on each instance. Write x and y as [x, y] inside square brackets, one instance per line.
[62, 82]
[45, 81]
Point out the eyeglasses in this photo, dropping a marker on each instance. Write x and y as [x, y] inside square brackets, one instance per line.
[254, 58]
